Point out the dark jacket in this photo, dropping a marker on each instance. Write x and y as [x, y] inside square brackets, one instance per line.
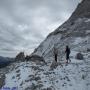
[67, 51]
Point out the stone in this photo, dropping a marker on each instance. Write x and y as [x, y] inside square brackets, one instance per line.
[79, 56]
[20, 57]
[35, 58]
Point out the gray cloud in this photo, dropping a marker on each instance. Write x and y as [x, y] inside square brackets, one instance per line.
[25, 23]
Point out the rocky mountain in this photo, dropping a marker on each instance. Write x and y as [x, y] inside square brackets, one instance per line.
[30, 75]
[20, 56]
[75, 32]
[82, 11]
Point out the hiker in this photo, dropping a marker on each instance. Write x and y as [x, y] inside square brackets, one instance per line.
[67, 51]
[55, 53]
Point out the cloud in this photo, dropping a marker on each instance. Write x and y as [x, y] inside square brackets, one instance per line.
[24, 24]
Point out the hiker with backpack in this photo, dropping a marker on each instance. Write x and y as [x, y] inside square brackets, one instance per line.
[67, 51]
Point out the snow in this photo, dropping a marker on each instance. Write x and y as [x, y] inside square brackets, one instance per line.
[88, 20]
[78, 40]
[68, 77]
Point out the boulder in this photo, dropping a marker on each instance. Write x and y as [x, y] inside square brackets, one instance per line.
[35, 58]
[79, 56]
[49, 88]
[20, 57]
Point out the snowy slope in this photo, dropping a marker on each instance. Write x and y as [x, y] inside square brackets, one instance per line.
[77, 26]
[29, 76]
[75, 32]
[77, 36]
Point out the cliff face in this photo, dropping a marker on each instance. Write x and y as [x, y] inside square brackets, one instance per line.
[83, 10]
[77, 26]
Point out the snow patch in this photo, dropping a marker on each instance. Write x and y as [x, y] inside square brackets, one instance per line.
[88, 20]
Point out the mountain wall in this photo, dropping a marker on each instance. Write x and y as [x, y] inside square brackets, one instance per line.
[75, 32]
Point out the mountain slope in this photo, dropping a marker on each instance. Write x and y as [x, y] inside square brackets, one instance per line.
[75, 28]
[83, 10]
[75, 32]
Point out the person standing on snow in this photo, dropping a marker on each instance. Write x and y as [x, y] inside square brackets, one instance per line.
[55, 54]
[67, 51]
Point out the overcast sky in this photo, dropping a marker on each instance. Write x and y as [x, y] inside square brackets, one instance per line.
[24, 24]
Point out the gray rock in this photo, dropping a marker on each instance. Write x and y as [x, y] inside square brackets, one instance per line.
[37, 78]
[35, 58]
[79, 56]
[49, 88]
[17, 71]
[35, 67]
[83, 10]
[34, 87]
[18, 75]
[20, 57]
[28, 88]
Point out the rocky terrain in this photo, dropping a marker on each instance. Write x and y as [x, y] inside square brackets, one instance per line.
[44, 73]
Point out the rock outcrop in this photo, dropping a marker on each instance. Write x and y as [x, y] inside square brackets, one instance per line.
[20, 57]
[82, 11]
[35, 58]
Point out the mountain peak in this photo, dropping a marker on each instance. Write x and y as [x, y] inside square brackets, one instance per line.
[82, 10]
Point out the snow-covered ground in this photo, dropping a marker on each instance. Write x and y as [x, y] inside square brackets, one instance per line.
[30, 76]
